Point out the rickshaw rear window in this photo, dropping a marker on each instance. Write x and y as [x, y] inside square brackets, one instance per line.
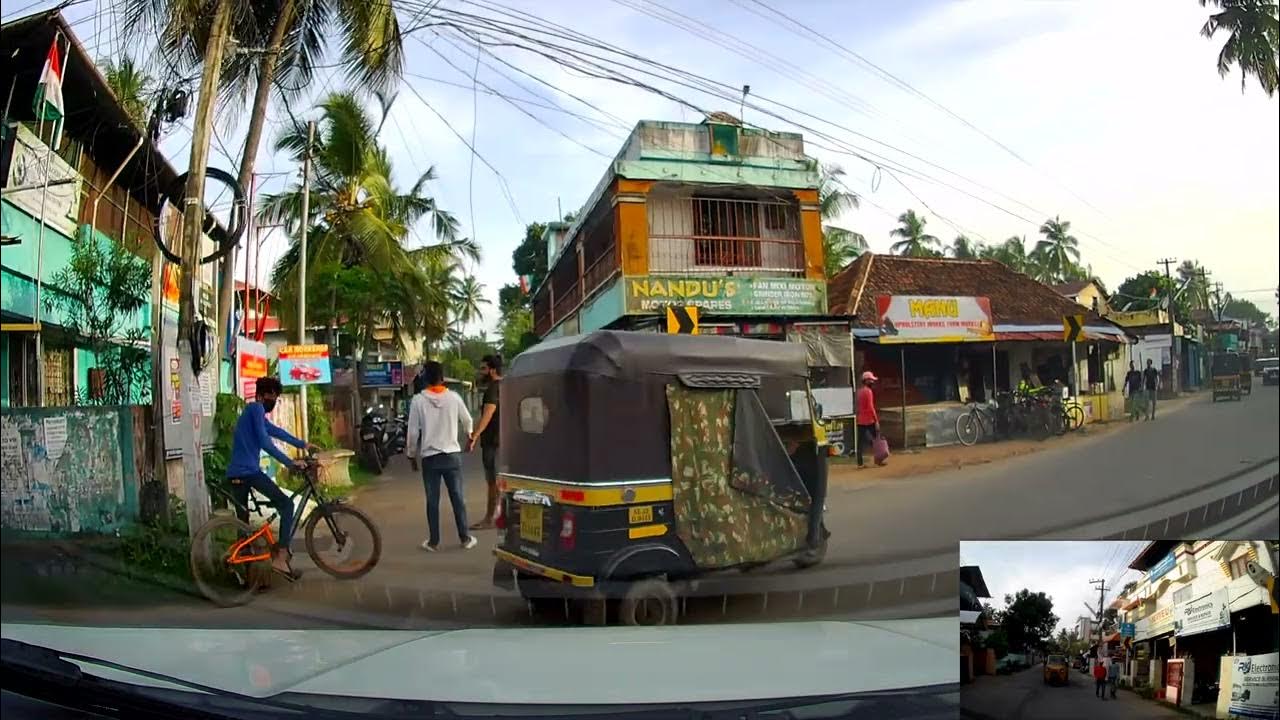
[533, 415]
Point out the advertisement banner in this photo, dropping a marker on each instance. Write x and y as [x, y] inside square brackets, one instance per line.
[1161, 568]
[305, 365]
[1155, 625]
[725, 295]
[251, 364]
[382, 374]
[1207, 612]
[925, 319]
[1255, 687]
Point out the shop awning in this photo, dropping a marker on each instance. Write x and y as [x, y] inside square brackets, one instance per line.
[1028, 336]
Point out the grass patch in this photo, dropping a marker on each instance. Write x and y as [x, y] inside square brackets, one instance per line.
[157, 547]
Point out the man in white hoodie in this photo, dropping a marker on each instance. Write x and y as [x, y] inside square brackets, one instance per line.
[436, 417]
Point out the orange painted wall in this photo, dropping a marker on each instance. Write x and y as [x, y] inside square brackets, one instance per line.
[811, 233]
[631, 227]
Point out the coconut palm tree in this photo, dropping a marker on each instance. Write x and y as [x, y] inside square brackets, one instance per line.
[295, 35]
[131, 85]
[1253, 40]
[964, 249]
[840, 246]
[467, 303]
[359, 217]
[1012, 253]
[1058, 252]
[915, 242]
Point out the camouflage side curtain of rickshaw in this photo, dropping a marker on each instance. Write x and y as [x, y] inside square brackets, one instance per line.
[725, 515]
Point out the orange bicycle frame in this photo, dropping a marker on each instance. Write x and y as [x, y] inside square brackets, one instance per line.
[237, 559]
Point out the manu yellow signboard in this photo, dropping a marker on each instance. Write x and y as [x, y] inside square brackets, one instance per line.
[651, 294]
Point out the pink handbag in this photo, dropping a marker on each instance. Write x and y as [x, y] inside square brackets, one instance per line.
[880, 450]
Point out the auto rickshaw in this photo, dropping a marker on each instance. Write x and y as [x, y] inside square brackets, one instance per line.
[632, 464]
[1246, 374]
[1225, 370]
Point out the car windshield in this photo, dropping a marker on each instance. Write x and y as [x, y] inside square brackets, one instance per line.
[604, 353]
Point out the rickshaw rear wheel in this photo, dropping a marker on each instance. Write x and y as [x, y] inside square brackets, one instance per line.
[651, 602]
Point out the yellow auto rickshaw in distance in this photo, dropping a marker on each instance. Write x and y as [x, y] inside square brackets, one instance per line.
[633, 464]
[1225, 371]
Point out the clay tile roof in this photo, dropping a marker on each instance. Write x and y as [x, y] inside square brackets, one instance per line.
[1015, 298]
[1071, 289]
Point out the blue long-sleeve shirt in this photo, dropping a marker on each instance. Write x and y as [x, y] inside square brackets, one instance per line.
[252, 437]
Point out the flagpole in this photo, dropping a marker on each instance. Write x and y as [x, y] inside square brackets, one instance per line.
[44, 198]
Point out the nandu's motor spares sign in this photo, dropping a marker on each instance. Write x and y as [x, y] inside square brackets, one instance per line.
[927, 318]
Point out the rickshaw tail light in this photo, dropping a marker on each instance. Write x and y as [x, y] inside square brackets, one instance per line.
[573, 495]
[568, 530]
[500, 515]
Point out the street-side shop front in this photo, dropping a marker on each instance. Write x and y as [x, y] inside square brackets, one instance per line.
[942, 333]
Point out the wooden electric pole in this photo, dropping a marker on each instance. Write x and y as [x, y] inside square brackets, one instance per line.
[193, 213]
[1173, 340]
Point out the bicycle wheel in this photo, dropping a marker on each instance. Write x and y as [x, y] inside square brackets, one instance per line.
[342, 541]
[1075, 417]
[967, 429]
[222, 583]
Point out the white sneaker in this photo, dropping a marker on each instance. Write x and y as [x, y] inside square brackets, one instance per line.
[470, 543]
[426, 545]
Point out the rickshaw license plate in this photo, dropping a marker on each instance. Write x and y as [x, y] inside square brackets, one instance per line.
[640, 514]
[531, 523]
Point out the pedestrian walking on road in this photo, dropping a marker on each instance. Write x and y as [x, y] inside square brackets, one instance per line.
[1133, 392]
[868, 419]
[1099, 680]
[1113, 674]
[436, 416]
[486, 433]
[1151, 378]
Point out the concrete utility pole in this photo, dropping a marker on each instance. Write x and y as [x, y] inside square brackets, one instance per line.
[193, 212]
[1102, 590]
[302, 276]
[1173, 354]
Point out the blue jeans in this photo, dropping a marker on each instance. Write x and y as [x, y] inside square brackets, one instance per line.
[446, 468]
[240, 488]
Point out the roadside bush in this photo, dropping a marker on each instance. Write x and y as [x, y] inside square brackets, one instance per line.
[158, 546]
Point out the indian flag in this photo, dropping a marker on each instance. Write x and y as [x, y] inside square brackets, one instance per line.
[48, 100]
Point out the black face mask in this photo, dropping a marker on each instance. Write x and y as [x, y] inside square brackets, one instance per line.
[269, 405]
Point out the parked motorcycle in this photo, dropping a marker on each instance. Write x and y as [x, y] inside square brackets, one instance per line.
[380, 438]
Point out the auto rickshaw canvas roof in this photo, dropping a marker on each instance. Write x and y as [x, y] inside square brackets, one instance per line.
[619, 353]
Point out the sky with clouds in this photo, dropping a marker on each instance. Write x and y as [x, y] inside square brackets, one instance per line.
[986, 116]
[1060, 569]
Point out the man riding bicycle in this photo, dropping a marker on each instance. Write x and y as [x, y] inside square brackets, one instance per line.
[253, 435]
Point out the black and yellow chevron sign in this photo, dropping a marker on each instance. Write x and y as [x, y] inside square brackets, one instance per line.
[1072, 325]
[682, 320]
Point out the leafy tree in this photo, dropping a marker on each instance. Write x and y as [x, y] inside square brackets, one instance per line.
[1147, 291]
[1253, 40]
[914, 242]
[1011, 253]
[1028, 620]
[131, 86]
[100, 295]
[840, 246]
[530, 256]
[998, 642]
[516, 328]
[1242, 309]
[964, 249]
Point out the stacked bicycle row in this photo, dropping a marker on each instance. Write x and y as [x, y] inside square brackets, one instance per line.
[1037, 414]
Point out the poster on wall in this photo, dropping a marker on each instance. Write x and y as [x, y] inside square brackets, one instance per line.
[251, 364]
[175, 408]
[925, 319]
[1255, 686]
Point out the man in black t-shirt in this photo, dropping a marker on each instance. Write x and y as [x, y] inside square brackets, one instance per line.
[486, 433]
[1151, 379]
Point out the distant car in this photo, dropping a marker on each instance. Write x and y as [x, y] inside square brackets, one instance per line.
[1270, 370]
[1056, 670]
[305, 373]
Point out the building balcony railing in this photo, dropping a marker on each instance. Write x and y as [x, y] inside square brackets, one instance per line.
[718, 236]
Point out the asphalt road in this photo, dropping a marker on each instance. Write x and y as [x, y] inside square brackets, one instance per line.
[1024, 696]
[893, 550]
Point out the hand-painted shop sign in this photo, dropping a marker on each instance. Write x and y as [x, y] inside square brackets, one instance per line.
[305, 365]
[926, 318]
[726, 295]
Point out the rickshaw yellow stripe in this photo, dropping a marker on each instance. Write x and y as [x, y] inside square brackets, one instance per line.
[592, 496]
[545, 571]
[645, 531]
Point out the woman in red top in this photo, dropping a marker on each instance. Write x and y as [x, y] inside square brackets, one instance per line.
[868, 419]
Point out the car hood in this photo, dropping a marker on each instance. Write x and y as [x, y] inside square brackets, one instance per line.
[554, 665]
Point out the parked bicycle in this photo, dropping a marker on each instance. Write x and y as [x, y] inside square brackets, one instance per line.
[977, 423]
[231, 561]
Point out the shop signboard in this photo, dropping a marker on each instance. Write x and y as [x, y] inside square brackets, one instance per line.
[251, 364]
[1161, 568]
[1255, 686]
[1155, 625]
[305, 365]
[652, 295]
[1126, 629]
[382, 374]
[1207, 612]
[941, 319]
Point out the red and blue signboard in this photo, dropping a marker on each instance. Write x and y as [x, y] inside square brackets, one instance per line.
[305, 365]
